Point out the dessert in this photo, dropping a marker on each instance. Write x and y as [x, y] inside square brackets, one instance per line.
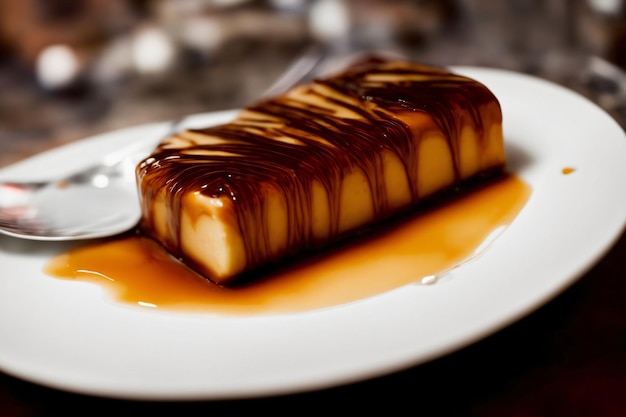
[301, 171]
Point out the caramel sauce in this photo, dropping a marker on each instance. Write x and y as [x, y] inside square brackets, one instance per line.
[136, 271]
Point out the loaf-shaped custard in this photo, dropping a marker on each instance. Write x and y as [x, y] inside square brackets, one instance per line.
[300, 171]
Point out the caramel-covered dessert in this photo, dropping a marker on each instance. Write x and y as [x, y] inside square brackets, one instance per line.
[301, 171]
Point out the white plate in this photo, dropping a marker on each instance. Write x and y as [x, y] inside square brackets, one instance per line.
[65, 335]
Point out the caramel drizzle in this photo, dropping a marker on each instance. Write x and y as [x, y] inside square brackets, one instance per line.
[238, 159]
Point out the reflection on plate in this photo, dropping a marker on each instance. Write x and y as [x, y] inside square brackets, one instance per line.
[67, 335]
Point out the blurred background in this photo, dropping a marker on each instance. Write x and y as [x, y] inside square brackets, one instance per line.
[73, 68]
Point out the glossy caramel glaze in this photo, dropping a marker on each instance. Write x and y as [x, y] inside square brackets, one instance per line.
[420, 249]
[285, 144]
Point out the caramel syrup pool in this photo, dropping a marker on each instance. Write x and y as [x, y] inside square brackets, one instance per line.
[136, 271]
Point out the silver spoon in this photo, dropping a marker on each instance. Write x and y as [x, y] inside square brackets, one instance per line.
[101, 200]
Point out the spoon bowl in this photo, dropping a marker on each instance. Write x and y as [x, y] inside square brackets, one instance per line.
[98, 201]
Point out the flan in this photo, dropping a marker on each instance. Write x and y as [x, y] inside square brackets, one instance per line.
[299, 172]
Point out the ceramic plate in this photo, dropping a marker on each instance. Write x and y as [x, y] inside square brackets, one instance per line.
[67, 335]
